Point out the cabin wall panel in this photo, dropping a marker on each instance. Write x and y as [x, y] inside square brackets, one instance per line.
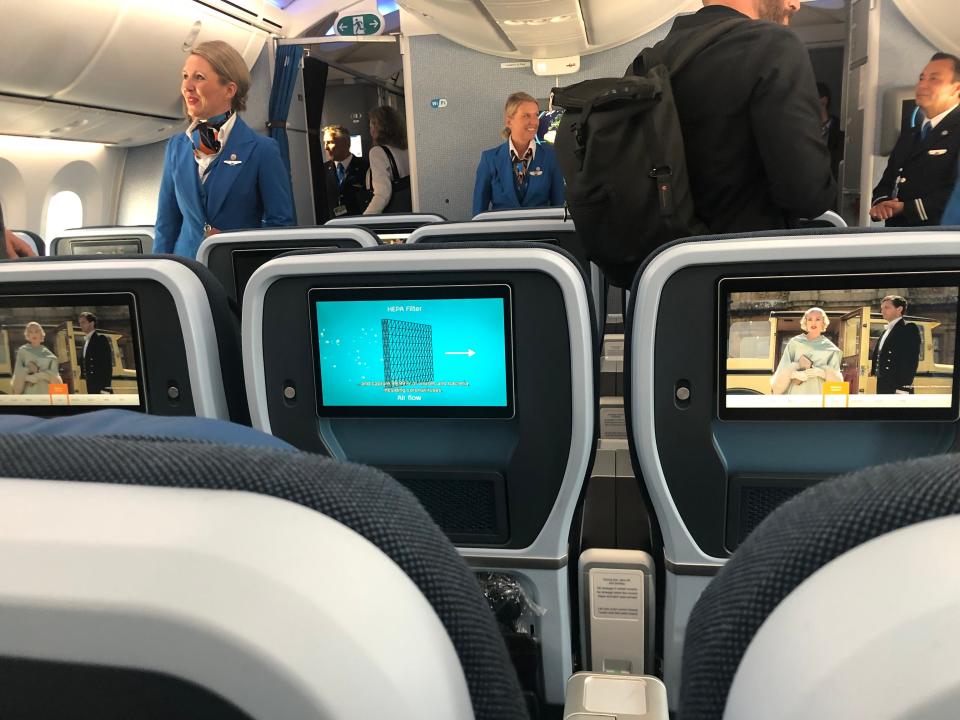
[46, 167]
[449, 140]
[903, 54]
[141, 184]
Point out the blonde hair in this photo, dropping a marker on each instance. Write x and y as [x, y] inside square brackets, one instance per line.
[803, 320]
[36, 325]
[510, 109]
[228, 64]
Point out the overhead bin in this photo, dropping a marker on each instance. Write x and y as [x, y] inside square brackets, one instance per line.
[78, 70]
[936, 20]
[544, 29]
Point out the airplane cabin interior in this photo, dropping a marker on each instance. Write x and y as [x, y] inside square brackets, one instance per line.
[433, 463]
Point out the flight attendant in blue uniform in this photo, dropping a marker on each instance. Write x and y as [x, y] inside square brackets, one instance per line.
[219, 174]
[519, 173]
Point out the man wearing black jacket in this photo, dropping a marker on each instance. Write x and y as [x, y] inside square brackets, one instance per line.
[922, 169]
[96, 359]
[895, 358]
[750, 118]
[346, 174]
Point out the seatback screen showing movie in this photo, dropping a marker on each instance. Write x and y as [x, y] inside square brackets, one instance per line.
[851, 347]
[126, 246]
[413, 351]
[61, 354]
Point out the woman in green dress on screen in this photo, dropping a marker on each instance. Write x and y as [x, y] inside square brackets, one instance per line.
[809, 360]
[36, 366]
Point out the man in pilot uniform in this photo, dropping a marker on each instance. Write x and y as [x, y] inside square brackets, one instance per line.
[346, 174]
[96, 363]
[895, 358]
[922, 169]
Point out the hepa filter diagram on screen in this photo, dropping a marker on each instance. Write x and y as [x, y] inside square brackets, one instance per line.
[430, 351]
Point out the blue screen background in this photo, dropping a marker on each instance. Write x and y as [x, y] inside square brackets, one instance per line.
[351, 352]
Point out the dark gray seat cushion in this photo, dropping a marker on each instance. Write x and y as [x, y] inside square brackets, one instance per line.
[792, 543]
[362, 498]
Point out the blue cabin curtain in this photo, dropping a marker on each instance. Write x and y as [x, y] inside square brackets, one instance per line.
[284, 80]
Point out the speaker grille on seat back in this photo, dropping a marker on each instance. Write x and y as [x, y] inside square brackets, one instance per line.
[752, 497]
[470, 507]
[758, 502]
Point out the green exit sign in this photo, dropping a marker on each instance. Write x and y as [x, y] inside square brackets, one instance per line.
[366, 24]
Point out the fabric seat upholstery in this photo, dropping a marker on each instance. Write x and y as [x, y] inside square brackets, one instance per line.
[361, 498]
[792, 543]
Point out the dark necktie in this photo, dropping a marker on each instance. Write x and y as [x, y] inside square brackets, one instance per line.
[520, 166]
[925, 130]
[341, 173]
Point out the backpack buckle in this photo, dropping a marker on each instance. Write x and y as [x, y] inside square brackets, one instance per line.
[659, 172]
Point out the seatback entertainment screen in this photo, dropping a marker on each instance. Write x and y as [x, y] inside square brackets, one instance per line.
[61, 354]
[127, 246]
[413, 351]
[850, 347]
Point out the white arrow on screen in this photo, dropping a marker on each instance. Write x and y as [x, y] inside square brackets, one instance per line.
[468, 353]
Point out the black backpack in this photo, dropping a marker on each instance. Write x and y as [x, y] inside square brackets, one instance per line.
[620, 149]
[400, 197]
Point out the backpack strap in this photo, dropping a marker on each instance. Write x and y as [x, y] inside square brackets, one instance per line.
[657, 55]
[393, 163]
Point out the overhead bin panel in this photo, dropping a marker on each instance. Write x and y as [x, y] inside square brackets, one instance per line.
[137, 69]
[541, 28]
[463, 21]
[48, 43]
[36, 118]
[936, 20]
[545, 29]
[611, 23]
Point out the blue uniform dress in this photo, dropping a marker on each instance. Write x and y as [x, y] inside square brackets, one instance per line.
[496, 187]
[247, 186]
[791, 379]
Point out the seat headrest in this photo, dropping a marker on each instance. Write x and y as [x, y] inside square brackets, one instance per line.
[365, 500]
[791, 544]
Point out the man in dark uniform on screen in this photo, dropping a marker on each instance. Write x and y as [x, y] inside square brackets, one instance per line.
[922, 169]
[346, 174]
[96, 365]
[897, 354]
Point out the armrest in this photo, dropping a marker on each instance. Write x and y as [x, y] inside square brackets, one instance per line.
[597, 696]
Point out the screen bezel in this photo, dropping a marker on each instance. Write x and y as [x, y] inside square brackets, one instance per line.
[91, 300]
[416, 292]
[909, 280]
[105, 242]
[241, 253]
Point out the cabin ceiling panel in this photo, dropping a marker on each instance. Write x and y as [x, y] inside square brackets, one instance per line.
[547, 28]
[463, 21]
[613, 22]
[936, 20]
